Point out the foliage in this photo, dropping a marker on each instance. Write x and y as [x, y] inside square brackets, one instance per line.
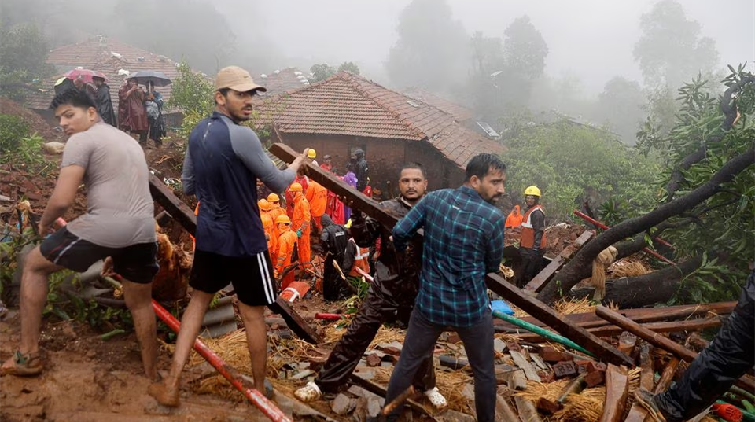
[321, 71]
[349, 67]
[12, 130]
[431, 49]
[566, 159]
[672, 49]
[722, 227]
[23, 58]
[193, 94]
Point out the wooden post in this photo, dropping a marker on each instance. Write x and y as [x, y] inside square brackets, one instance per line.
[638, 413]
[544, 276]
[617, 390]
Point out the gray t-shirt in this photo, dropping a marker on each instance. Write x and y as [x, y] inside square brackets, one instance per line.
[120, 211]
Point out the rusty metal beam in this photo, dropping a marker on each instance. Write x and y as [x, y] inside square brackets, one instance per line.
[544, 276]
[164, 196]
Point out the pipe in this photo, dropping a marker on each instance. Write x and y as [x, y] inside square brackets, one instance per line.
[541, 331]
[604, 227]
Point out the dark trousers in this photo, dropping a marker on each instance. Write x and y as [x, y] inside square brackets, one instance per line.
[478, 343]
[532, 261]
[709, 376]
[378, 307]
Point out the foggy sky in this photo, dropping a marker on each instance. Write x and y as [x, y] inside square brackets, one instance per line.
[592, 39]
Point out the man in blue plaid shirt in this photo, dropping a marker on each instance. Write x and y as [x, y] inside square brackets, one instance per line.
[463, 241]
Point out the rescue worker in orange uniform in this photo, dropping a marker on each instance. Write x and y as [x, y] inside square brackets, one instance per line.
[286, 250]
[268, 225]
[301, 179]
[275, 211]
[515, 218]
[300, 224]
[317, 196]
[532, 244]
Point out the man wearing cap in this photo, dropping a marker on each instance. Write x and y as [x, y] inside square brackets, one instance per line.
[223, 161]
[312, 154]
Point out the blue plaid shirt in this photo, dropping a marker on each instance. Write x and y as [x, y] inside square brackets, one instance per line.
[463, 241]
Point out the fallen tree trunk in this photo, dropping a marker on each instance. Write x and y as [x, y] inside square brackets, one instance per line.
[569, 276]
[636, 292]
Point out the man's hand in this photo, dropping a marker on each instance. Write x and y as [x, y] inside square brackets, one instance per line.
[43, 230]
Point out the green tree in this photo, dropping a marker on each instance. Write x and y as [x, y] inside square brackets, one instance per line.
[432, 47]
[192, 93]
[672, 49]
[349, 67]
[23, 58]
[565, 159]
[321, 71]
[621, 106]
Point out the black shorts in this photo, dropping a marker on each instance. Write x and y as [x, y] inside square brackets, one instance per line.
[135, 263]
[251, 276]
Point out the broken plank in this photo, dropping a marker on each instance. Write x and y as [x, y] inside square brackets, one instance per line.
[667, 375]
[521, 362]
[526, 409]
[544, 276]
[379, 390]
[504, 412]
[546, 314]
[658, 327]
[659, 340]
[641, 315]
[163, 195]
[295, 322]
[333, 183]
[617, 390]
[638, 413]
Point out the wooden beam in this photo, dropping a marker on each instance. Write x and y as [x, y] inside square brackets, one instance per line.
[658, 340]
[544, 276]
[163, 195]
[546, 314]
[642, 315]
[617, 390]
[658, 327]
[381, 391]
[667, 375]
[638, 413]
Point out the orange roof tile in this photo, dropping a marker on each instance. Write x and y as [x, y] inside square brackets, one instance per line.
[347, 104]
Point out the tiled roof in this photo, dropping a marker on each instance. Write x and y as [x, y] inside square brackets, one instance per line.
[346, 104]
[281, 81]
[461, 113]
[106, 56]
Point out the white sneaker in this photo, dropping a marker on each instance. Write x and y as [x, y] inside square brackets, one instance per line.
[437, 399]
[311, 392]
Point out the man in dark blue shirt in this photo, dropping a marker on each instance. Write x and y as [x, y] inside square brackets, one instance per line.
[463, 241]
[223, 161]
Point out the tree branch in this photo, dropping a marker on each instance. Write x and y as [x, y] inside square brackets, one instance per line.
[569, 275]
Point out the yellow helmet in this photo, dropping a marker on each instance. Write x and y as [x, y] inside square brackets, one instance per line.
[348, 224]
[311, 153]
[264, 205]
[273, 197]
[295, 187]
[283, 219]
[532, 190]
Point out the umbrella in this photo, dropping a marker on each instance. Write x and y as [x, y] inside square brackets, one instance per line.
[85, 75]
[158, 79]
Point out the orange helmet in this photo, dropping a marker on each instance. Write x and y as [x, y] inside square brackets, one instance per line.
[283, 219]
[273, 197]
[264, 205]
[295, 187]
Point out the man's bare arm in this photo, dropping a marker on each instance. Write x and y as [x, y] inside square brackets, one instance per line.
[63, 196]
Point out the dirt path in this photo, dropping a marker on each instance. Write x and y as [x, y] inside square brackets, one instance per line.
[87, 379]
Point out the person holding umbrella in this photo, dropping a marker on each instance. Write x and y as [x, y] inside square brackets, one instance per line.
[153, 102]
[131, 112]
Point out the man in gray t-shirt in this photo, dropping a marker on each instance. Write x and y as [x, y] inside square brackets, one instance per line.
[118, 226]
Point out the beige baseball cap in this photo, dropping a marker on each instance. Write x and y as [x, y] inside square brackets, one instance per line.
[237, 79]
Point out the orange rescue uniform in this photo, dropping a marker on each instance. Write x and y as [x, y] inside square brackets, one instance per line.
[515, 218]
[301, 221]
[286, 244]
[269, 227]
[317, 196]
[528, 233]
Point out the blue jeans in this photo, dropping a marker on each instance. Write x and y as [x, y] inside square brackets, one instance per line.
[478, 343]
